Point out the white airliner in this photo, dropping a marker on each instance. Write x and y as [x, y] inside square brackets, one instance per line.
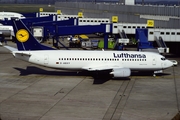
[8, 15]
[119, 63]
[7, 28]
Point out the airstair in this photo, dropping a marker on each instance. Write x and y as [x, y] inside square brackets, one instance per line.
[162, 48]
[120, 42]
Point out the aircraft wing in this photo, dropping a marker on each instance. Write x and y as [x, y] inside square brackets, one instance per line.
[101, 68]
[117, 71]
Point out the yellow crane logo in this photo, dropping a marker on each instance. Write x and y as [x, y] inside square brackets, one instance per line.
[22, 35]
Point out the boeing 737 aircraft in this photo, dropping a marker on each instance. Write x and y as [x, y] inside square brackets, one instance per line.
[8, 15]
[119, 63]
[7, 29]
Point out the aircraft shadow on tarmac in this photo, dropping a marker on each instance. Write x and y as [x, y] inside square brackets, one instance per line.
[99, 77]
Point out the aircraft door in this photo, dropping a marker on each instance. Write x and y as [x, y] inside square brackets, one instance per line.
[153, 60]
[46, 59]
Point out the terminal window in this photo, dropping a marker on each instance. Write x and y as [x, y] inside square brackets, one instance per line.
[173, 33]
[167, 33]
[151, 33]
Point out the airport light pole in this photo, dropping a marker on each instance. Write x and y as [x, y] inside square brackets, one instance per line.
[142, 2]
[122, 2]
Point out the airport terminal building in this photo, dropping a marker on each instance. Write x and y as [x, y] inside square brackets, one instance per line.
[130, 16]
[166, 18]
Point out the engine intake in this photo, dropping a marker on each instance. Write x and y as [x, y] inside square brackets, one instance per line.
[121, 72]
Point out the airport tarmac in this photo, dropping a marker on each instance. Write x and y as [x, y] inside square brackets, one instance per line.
[32, 92]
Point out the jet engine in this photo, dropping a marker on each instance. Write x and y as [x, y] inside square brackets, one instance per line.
[5, 33]
[121, 72]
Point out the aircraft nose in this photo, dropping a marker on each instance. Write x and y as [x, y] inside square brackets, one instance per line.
[169, 63]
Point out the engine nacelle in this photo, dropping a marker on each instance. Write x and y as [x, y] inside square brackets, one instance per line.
[5, 33]
[121, 72]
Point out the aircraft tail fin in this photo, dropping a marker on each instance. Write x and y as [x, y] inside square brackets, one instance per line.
[24, 38]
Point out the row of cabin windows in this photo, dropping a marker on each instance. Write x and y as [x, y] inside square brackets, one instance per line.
[167, 33]
[133, 59]
[101, 59]
[92, 59]
[103, 21]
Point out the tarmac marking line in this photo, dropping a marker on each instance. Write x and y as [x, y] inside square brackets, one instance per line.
[62, 97]
[175, 87]
[116, 108]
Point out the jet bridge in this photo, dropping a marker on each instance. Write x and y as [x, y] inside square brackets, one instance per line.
[49, 27]
[85, 29]
[46, 29]
[55, 29]
[71, 27]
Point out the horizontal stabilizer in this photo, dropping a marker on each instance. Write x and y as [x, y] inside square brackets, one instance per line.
[11, 48]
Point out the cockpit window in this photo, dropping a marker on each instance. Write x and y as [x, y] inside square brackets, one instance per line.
[163, 58]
